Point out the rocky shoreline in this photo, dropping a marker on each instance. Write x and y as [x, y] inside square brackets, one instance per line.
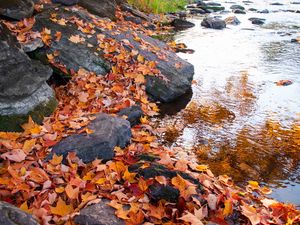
[87, 154]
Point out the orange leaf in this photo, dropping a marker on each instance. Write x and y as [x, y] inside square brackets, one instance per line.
[56, 160]
[61, 208]
[28, 145]
[143, 185]
[71, 192]
[228, 209]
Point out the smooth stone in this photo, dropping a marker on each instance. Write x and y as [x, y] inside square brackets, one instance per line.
[109, 132]
[257, 21]
[181, 24]
[237, 7]
[98, 214]
[276, 3]
[11, 215]
[238, 11]
[133, 114]
[16, 9]
[252, 10]
[214, 23]
[264, 11]
[197, 11]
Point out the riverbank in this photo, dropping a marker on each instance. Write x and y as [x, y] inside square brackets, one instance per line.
[110, 69]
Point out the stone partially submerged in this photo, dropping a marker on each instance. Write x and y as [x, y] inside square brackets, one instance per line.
[108, 132]
[86, 54]
[23, 88]
[11, 215]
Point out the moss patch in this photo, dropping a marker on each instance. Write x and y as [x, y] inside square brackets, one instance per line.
[12, 123]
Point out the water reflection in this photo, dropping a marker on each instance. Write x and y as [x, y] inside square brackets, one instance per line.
[238, 121]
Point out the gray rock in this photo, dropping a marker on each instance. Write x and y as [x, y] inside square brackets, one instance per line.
[137, 13]
[23, 88]
[133, 19]
[32, 45]
[238, 11]
[252, 9]
[98, 214]
[159, 192]
[101, 8]
[73, 55]
[276, 3]
[197, 11]
[133, 114]
[11, 215]
[66, 2]
[213, 8]
[257, 21]
[214, 23]
[16, 9]
[263, 11]
[213, 4]
[232, 20]
[181, 24]
[109, 132]
[295, 3]
[237, 7]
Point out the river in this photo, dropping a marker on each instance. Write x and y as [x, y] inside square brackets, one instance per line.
[237, 120]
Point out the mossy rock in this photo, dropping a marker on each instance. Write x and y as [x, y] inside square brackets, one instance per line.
[12, 123]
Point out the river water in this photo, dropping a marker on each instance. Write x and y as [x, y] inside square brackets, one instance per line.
[237, 120]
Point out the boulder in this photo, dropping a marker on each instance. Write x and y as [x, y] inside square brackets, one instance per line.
[108, 132]
[23, 88]
[257, 21]
[238, 11]
[232, 20]
[73, 55]
[133, 114]
[86, 55]
[11, 215]
[214, 23]
[159, 192]
[101, 8]
[197, 11]
[66, 2]
[264, 11]
[181, 24]
[98, 214]
[237, 7]
[16, 9]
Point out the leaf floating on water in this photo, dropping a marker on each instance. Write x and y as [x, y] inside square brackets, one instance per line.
[284, 82]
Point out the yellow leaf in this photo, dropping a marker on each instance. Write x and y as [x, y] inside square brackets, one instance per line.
[202, 168]
[56, 160]
[76, 39]
[129, 176]
[228, 207]
[140, 58]
[61, 208]
[100, 181]
[28, 145]
[25, 208]
[143, 185]
[253, 184]
[59, 190]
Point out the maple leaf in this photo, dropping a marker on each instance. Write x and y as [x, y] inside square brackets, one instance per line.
[28, 145]
[228, 209]
[61, 208]
[71, 192]
[129, 176]
[76, 39]
[251, 213]
[190, 218]
[15, 155]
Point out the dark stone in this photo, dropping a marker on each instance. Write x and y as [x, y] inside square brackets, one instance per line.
[263, 11]
[197, 11]
[232, 20]
[101, 8]
[276, 3]
[11, 215]
[73, 55]
[237, 7]
[295, 3]
[137, 13]
[257, 21]
[98, 214]
[296, 40]
[180, 24]
[133, 19]
[213, 8]
[16, 9]
[66, 2]
[238, 11]
[214, 23]
[252, 10]
[248, 2]
[159, 192]
[109, 132]
[23, 88]
[133, 114]
[213, 4]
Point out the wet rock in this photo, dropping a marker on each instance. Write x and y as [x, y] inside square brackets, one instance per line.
[198, 11]
[11, 215]
[137, 13]
[133, 19]
[73, 55]
[23, 88]
[295, 3]
[16, 9]
[159, 192]
[210, 8]
[133, 114]
[296, 40]
[263, 11]
[109, 132]
[237, 7]
[180, 24]
[98, 214]
[232, 20]
[103, 8]
[252, 9]
[238, 11]
[214, 23]
[66, 2]
[257, 21]
[32, 45]
[276, 3]
[247, 2]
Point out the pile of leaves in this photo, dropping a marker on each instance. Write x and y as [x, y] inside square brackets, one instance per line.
[56, 191]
